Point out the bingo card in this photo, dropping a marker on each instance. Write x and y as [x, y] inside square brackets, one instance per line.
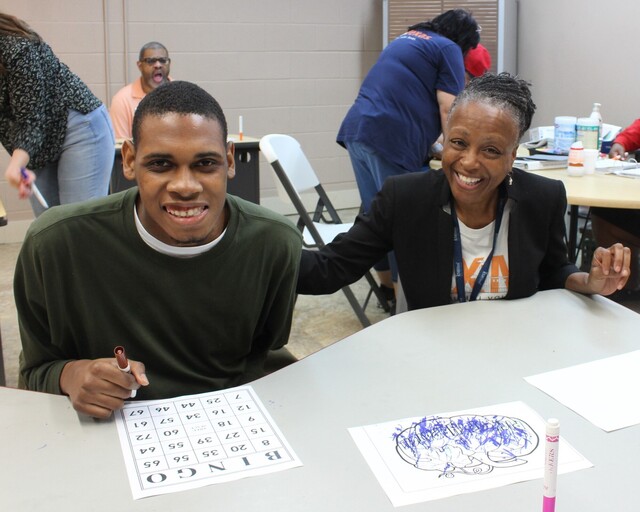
[196, 440]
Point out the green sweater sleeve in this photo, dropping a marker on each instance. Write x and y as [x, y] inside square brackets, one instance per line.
[277, 313]
[41, 362]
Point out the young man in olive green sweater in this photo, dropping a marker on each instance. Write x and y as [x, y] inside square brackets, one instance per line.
[196, 284]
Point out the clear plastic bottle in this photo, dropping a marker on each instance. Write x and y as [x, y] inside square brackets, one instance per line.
[596, 115]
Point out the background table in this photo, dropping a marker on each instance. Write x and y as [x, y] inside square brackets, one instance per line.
[603, 190]
[418, 363]
[245, 184]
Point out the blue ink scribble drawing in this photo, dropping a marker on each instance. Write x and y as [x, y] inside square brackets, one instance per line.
[468, 444]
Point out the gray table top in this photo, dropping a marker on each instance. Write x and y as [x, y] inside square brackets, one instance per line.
[418, 363]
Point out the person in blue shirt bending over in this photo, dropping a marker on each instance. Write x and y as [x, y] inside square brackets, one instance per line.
[403, 105]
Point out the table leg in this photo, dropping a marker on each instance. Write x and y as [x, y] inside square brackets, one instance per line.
[573, 233]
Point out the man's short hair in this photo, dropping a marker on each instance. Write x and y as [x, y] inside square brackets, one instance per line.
[178, 97]
[152, 45]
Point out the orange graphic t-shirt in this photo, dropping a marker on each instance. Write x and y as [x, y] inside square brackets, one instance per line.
[476, 246]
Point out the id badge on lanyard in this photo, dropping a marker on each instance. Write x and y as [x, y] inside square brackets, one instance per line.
[457, 254]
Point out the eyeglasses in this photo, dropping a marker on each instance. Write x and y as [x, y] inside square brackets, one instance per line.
[479, 29]
[152, 60]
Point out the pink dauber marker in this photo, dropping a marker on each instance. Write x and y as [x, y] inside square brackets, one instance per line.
[552, 434]
[123, 363]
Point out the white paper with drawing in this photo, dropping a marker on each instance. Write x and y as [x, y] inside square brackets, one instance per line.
[436, 456]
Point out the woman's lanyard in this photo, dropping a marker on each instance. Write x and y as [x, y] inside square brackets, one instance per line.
[457, 254]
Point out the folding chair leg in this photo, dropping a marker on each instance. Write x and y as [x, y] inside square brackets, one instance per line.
[375, 288]
[355, 305]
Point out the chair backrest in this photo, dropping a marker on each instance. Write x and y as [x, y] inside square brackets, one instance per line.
[286, 150]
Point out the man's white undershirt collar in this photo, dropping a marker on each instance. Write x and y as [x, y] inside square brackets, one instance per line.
[172, 250]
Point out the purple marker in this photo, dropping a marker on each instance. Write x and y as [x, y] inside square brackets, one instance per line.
[552, 435]
[36, 192]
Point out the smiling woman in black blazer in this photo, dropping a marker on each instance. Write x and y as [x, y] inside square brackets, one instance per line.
[477, 229]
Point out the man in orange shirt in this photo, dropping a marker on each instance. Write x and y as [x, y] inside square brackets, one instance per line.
[154, 65]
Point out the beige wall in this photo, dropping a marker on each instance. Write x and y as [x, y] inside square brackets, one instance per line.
[576, 52]
[294, 66]
[286, 66]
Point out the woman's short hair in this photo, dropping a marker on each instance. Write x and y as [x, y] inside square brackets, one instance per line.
[504, 91]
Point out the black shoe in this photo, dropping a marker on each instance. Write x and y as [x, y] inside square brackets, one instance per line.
[390, 297]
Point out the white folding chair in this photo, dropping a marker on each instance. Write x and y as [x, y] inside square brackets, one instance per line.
[295, 176]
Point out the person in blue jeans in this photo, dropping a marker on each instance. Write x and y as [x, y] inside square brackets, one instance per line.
[403, 103]
[56, 130]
